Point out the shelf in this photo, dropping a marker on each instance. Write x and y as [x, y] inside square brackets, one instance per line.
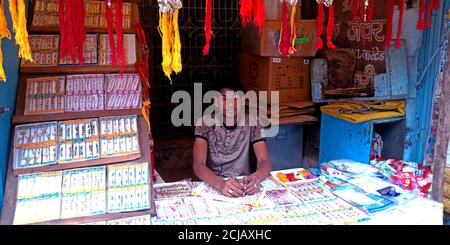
[22, 119]
[10, 197]
[73, 69]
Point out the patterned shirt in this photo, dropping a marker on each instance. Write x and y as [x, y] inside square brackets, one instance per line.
[229, 147]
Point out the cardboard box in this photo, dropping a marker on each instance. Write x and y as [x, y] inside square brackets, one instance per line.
[266, 43]
[289, 76]
[273, 10]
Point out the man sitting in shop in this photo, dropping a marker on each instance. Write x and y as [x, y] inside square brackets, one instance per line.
[226, 149]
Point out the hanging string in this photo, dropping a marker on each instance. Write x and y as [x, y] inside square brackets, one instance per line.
[245, 12]
[371, 10]
[176, 48]
[208, 16]
[284, 43]
[4, 33]
[420, 22]
[120, 51]
[259, 16]
[389, 23]
[320, 19]
[428, 15]
[401, 7]
[355, 4]
[330, 26]
[166, 50]
[72, 30]
[293, 35]
[17, 10]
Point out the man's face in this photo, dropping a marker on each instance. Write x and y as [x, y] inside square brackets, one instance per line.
[229, 104]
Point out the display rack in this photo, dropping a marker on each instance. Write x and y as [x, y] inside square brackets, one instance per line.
[10, 197]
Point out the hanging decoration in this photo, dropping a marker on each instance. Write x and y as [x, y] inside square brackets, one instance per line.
[330, 23]
[401, 7]
[71, 25]
[119, 51]
[252, 11]
[208, 31]
[170, 34]
[142, 68]
[286, 44]
[389, 23]
[4, 33]
[432, 5]
[19, 20]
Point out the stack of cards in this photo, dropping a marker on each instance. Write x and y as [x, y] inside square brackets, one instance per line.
[38, 197]
[85, 92]
[118, 136]
[138, 220]
[45, 13]
[83, 192]
[95, 15]
[45, 50]
[78, 140]
[89, 52]
[123, 91]
[35, 145]
[311, 192]
[128, 187]
[44, 95]
[105, 51]
[175, 189]
[200, 207]
[171, 209]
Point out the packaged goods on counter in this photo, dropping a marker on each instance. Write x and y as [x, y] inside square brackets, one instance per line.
[123, 91]
[294, 176]
[83, 192]
[118, 136]
[44, 95]
[38, 197]
[128, 187]
[78, 140]
[174, 189]
[35, 145]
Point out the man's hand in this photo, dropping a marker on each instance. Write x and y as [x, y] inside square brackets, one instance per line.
[251, 184]
[232, 188]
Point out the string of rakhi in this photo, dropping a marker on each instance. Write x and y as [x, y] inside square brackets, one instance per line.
[286, 45]
[170, 34]
[207, 28]
[4, 33]
[252, 11]
[330, 23]
[71, 26]
[118, 52]
[432, 5]
[19, 20]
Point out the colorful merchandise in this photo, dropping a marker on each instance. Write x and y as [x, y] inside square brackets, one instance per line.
[118, 136]
[171, 209]
[376, 150]
[78, 140]
[252, 11]
[426, 22]
[45, 51]
[123, 91]
[361, 199]
[44, 95]
[35, 145]
[311, 192]
[88, 52]
[330, 24]
[200, 207]
[294, 176]
[128, 187]
[95, 15]
[83, 192]
[71, 27]
[38, 197]
[84, 92]
[174, 189]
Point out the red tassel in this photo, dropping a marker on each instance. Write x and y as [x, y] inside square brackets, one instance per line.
[72, 30]
[420, 23]
[436, 4]
[320, 19]
[428, 16]
[284, 39]
[109, 23]
[120, 53]
[355, 4]
[361, 10]
[330, 26]
[246, 11]
[208, 16]
[389, 23]
[80, 32]
[400, 23]
[371, 9]
[258, 14]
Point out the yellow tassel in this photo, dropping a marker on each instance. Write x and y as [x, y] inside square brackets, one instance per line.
[17, 9]
[165, 36]
[176, 48]
[4, 33]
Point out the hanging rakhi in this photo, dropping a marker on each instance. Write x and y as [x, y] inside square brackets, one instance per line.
[293, 34]
[389, 23]
[401, 7]
[17, 9]
[170, 35]
[71, 26]
[4, 33]
[118, 52]
[330, 23]
[284, 43]
[432, 5]
[207, 28]
[252, 11]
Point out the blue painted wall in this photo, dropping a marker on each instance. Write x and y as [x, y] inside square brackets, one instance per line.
[422, 104]
[8, 92]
